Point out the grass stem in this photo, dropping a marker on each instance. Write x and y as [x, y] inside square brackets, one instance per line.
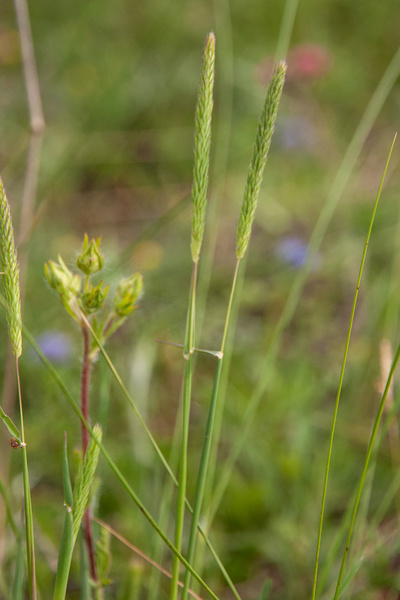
[339, 391]
[30, 544]
[205, 452]
[187, 390]
[365, 469]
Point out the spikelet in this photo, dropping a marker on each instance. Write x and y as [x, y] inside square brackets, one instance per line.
[202, 143]
[260, 154]
[84, 479]
[10, 269]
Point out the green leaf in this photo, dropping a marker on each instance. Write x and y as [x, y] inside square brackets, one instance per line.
[12, 428]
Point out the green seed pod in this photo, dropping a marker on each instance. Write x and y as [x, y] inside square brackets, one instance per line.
[62, 279]
[128, 291]
[93, 297]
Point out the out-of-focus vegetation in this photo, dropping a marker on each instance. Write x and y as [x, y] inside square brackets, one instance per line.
[119, 83]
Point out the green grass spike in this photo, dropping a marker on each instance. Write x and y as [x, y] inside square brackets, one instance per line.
[9, 267]
[84, 480]
[262, 143]
[202, 143]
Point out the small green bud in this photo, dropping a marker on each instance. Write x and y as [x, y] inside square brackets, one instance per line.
[93, 297]
[128, 291]
[90, 260]
[62, 279]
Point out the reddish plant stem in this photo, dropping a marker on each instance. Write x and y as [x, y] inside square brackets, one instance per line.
[85, 381]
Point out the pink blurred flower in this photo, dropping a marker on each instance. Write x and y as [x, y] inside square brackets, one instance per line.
[309, 61]
[306, 63]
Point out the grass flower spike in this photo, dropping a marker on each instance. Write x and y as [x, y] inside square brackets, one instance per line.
[84, 479]
[10, 269]
[202, 143]
[262, 143]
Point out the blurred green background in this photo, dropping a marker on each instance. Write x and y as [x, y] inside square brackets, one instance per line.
[118, 82]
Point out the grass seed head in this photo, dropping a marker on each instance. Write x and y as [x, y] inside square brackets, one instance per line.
[202, 144]
[10, 269]
[261, 146]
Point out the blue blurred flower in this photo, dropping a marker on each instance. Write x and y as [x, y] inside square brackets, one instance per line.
[292, 250]
[56, 346]
[296, 132]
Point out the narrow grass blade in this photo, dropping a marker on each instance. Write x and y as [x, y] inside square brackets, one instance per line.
[12, 428]
[266, 590]
[10, 516]
[365, 469]
[29, 534]
[186, 397]
[346, 350]
[17, 592]
[84, 570]
[201, 478]
[342, 176]
[67, 540]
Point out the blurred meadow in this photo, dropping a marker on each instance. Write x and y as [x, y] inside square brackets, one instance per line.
[118, 82]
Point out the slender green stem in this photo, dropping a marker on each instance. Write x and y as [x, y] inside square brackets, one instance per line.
[339, 391]
[365, 469]
[286, 29]
[30, 544]
[205, 452]
[187, 391]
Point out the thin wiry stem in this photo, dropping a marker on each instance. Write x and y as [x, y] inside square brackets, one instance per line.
[346, 350]
[205, 452]
[29, 64]
[30, 543]
[187, 390]
[141, 554]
